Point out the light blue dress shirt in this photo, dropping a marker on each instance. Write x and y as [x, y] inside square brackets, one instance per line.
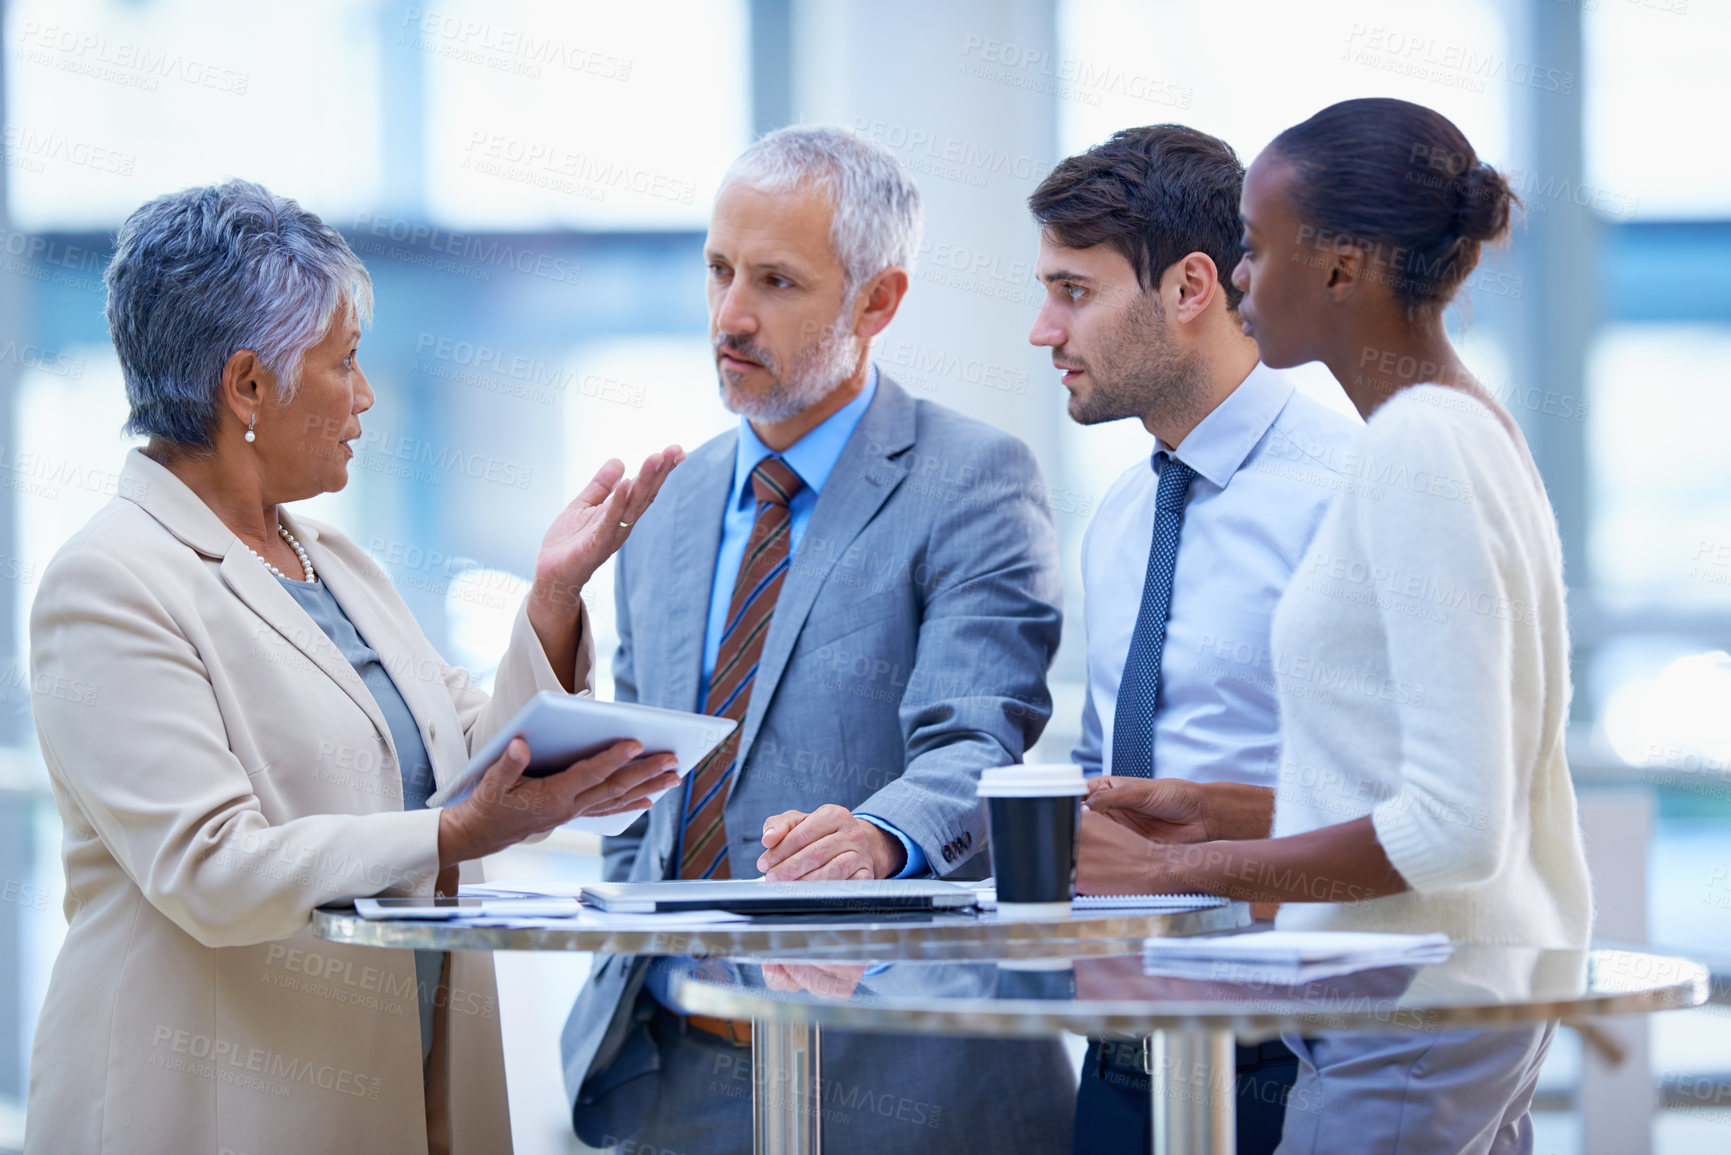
[813, 457]
[1265, 476]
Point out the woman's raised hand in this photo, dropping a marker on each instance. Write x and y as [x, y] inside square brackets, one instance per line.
[593, 527]
[506, 807]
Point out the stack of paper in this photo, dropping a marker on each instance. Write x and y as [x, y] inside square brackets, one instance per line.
[1288, 957]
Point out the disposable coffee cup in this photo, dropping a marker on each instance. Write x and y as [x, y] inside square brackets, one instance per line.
[1034, 811]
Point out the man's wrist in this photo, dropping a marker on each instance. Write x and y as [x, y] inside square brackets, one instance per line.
[888, 854]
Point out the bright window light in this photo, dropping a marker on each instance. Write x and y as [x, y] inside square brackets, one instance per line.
[285, 97]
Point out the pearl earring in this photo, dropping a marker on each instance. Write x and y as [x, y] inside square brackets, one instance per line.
[250, 435]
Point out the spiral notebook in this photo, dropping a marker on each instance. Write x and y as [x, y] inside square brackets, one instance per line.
[1148, 902]
[986, 895]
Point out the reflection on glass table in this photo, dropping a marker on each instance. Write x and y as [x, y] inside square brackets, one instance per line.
[1184, 1026]
[723, 1077]
[940, 935]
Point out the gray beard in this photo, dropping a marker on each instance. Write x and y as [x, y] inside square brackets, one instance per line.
[817, 370]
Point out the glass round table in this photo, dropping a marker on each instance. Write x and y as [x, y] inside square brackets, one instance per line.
[975, 974]
[787, 1046]
[1185, 1025]
[945, 935]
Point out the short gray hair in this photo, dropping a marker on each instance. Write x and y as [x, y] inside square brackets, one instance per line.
[204, 272]
[875, 205]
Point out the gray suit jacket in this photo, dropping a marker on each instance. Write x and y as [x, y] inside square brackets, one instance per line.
[908, 651]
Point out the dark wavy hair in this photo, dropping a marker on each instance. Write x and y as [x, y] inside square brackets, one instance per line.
[1156, 194]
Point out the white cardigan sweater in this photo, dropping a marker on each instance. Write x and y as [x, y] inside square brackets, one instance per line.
[1422, 659]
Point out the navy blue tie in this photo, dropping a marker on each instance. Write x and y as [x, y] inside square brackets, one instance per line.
[1139, 691]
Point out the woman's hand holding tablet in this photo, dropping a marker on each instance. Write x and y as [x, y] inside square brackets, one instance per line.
[505, 807]
[561, 733]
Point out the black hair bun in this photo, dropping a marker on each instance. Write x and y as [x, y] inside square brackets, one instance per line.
[1486, 202]
[1406, 183]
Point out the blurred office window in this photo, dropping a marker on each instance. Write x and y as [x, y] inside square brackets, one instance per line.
[1660, 551]
[1661, 479]
[1659, 483]
[72, 407]
[1664, 706]
[1657, 68]
[580, 115]
[1234, 69]
[93, 88]
[535, 115]
[480, 607]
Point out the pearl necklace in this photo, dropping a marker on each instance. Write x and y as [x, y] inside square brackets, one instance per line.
[299, 552]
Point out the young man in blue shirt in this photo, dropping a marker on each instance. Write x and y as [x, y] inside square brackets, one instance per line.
[1192, 547]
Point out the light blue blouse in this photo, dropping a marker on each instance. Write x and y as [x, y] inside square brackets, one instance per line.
[417, 769]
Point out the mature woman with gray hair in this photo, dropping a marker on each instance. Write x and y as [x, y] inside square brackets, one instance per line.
[261, 728]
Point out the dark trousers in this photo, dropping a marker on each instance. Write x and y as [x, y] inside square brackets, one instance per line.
[1114, 1115]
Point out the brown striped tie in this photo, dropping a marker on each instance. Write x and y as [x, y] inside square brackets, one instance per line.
[703, 839]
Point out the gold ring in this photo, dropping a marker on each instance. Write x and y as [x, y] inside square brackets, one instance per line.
[624, 525]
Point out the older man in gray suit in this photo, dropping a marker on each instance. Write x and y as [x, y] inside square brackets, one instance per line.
[869, 583]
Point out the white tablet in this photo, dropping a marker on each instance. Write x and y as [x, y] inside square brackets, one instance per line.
[562, 728]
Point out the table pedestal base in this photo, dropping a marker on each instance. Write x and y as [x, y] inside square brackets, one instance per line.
[786, 1088]
[1192, 1077]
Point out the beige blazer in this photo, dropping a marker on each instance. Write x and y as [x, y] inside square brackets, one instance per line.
[221, 770]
